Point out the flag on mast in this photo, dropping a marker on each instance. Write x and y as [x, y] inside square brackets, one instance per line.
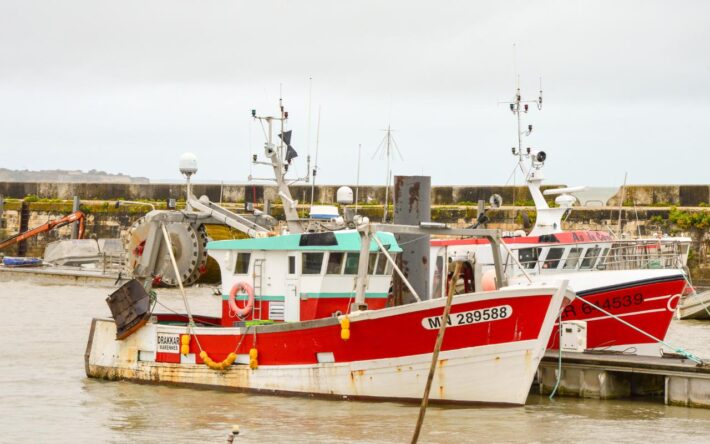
[290, 152]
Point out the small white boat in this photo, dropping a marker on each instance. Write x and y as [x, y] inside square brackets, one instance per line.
[694, 305]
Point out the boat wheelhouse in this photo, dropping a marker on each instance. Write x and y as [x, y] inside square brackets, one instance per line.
[301, 277]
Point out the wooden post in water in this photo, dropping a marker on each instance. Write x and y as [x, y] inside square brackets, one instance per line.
[2, 209]
[435, 354]
[24, 226]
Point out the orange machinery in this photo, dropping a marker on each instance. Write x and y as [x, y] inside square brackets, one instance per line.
[56, 223]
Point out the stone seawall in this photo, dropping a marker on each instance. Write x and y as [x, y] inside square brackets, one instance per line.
[639, 195]
[647, 209]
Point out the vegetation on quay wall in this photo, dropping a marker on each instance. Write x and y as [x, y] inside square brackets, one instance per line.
[682, 220]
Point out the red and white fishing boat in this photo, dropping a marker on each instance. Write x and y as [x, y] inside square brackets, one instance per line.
[640, 281]
[309, 326]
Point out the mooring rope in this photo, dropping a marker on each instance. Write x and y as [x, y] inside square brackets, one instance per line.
[191, 320]
[678, 350]
[559, 358]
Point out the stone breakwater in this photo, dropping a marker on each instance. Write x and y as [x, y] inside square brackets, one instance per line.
[639, 195]
[647, 209]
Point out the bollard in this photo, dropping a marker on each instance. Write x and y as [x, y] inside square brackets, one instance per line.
[233, 435]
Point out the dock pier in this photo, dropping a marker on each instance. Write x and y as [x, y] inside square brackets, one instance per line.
[680, 381]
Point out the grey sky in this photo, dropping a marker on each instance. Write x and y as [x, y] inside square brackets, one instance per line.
[127, 86]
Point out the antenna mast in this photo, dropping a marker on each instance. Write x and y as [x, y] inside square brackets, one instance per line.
[387, 148]
[518, 107]
[315, 167]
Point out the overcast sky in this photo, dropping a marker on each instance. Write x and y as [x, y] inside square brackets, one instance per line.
[127, 86]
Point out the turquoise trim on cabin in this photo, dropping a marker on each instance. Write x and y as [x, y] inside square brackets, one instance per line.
[341, 295]
[243, 297]
[347, 241]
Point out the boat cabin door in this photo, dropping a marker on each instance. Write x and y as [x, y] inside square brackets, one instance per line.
[292, 299]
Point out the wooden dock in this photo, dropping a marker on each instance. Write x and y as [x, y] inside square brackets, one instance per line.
[609, 376]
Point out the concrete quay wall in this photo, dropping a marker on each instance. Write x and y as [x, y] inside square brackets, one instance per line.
[639, 195]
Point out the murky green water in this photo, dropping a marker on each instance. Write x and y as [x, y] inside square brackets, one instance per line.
[46, 397]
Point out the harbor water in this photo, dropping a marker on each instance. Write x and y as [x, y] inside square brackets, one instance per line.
[45, 395]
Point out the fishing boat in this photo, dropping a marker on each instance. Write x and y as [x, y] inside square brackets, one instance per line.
[617, 281]
[306, 315]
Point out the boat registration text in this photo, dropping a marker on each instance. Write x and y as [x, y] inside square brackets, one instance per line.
[470, 317]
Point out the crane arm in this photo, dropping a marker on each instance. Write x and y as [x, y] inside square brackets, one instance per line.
[55, 223]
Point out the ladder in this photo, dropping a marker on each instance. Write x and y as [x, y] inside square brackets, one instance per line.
[258, 281]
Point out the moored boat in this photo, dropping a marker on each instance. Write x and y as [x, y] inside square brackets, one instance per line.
[639, 281]
[494, 340]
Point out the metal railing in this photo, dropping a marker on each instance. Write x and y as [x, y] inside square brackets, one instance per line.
[622, 255]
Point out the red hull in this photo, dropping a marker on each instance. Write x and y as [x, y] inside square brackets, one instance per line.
[378, 337]
[648, 305]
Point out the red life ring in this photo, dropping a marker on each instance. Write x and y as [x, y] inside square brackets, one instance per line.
[236, 288]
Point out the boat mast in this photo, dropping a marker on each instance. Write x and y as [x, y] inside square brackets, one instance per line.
[275, 153]
[531, 162]
[533, 175]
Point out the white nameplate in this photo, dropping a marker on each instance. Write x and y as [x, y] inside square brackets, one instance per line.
[470, 317]
[168, 343]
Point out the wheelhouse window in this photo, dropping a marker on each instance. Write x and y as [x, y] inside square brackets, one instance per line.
[553, 258]
[381, 264]
[389, 269]
[573, 258]
[311, 263]
[241, 266]
[528, 257]
[371, 263]
[601, 265]
[590, 258]
[351, 260]
[335, 263]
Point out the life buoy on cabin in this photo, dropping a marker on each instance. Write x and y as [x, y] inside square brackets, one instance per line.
[246, 288]
[488, 281]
